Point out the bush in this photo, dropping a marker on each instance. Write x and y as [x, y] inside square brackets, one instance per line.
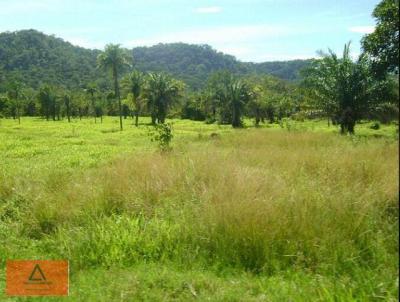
[299, 116]
[386, 112]
[163, 135]
[375, 126]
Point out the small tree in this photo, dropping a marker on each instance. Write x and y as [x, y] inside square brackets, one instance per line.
[163, 135]
[161, 91]
[47, 101]
[67, 100]
[91, 90]
[346, 87]
[134, 83]
[233, 95]
[257, 105]
[15, 95]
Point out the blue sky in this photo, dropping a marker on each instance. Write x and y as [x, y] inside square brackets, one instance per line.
[251, 30]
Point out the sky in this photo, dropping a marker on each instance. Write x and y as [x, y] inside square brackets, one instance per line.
[250, 30]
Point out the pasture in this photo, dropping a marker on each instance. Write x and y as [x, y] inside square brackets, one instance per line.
[290, 212]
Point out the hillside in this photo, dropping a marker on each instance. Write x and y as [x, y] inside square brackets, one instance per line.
[35, 58]
[194, 63]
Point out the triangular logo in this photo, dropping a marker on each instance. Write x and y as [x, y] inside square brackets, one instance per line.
[37, 274]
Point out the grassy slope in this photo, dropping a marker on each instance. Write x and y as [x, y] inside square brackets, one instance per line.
[256, 214]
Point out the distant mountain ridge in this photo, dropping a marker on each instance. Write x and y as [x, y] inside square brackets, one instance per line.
[36, 58]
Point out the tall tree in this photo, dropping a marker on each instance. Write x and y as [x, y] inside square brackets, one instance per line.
[114, 59]
[134, 83]
[383, 44]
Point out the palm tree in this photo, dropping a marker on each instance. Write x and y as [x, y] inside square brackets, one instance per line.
[161, 91]
[233, 95]
[15, 93]
[46, 100]
[91, 90]
[114, 59]
[66, 97]
[133, 83]
[239, 96]
[344, 88]
[257, 105]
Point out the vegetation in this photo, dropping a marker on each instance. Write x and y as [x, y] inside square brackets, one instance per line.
[114, 59]
[383, 44]
[346, 90]
[134, 85]
[249, 196]
[163, 135]
[35, 58]
[212, 218]
[161, 91]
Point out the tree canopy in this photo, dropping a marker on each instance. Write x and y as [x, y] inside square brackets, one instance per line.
[383, 44]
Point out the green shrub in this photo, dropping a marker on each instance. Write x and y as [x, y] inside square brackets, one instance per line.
[163, 135]
[375, 126]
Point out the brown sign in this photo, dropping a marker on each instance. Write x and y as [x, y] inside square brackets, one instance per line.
[37, 278]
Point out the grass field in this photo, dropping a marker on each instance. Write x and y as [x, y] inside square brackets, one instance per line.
[291, 212]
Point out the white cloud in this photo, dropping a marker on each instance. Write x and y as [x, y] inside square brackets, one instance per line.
[208, 10]
[362, 29]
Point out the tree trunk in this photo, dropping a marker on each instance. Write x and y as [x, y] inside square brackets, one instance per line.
[137, 119]
[258, 118]
[153, 119]
[235, 117]
[19, 117]
[347, 121]
[116, 90]
[68, 111]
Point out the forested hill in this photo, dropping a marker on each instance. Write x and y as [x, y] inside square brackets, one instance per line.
[35, 58]
[194, 63]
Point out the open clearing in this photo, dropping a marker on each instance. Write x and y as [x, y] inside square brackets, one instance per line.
[261, 214]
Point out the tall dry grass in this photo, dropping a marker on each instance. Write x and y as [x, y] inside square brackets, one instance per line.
[257, 200]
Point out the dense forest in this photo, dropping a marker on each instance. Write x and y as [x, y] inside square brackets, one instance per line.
[33, 57]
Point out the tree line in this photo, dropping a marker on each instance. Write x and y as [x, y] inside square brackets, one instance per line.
[339, 88]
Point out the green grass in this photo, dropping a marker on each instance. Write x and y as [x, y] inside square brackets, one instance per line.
[283, 212]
